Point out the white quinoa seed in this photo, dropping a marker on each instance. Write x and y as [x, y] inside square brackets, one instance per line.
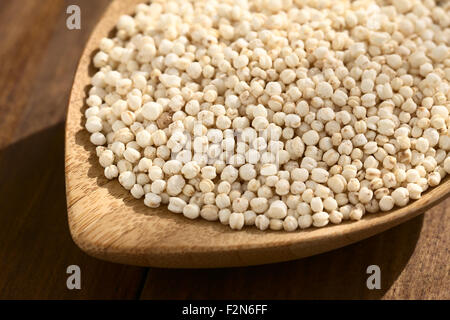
[235, 115]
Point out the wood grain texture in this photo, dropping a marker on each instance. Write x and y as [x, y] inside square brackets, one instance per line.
[38, 63]
[35, 245]
[108, 223]
[413, 260]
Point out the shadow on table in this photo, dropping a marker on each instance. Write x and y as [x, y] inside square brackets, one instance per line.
[35, 243]
[339, 274]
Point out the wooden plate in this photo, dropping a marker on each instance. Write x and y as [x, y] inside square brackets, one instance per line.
[108, 223]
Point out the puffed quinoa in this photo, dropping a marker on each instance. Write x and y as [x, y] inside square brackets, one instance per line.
[316, 204]
[111, 172]
[209, 212]
[305, 221]
[127, 179]
[274, 113]
[290, 223]
[356, 213]
[191, 211]
[236, 220]
[335, 217]
[400, 196]
[176, 204]
[152, 200]
[262, 222]
[320, 219]
[386, 203]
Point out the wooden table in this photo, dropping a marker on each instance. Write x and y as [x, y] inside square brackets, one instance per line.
[38, 58]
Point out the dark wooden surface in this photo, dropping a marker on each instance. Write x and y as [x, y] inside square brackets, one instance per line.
[38, 58]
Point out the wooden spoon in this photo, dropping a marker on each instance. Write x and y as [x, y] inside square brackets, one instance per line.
[107, 222]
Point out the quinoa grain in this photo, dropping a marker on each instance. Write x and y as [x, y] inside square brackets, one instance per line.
[240, 113]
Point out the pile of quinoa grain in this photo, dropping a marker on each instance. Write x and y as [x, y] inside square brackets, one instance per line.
[282, 114]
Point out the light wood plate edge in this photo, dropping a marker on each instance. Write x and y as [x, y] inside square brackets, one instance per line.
[107, 223]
